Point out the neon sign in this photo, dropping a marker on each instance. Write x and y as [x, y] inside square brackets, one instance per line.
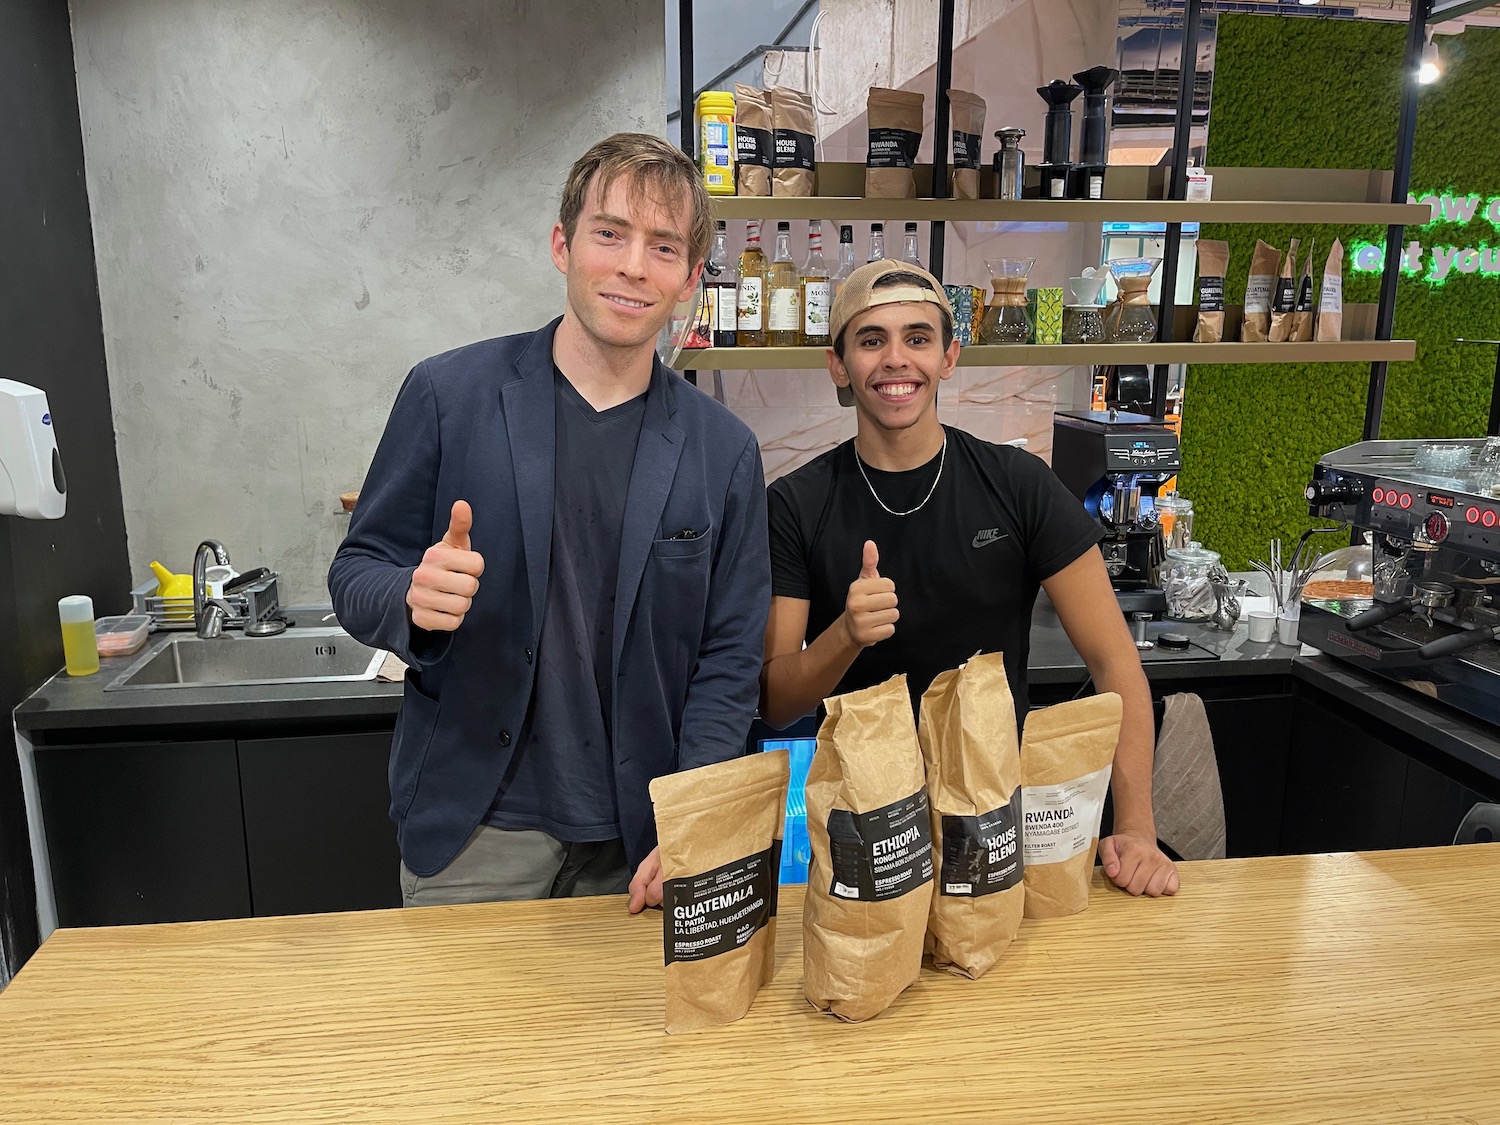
[1438, 264]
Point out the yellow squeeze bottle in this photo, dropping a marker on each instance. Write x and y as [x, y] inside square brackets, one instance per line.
[716, 141]
[80, 651]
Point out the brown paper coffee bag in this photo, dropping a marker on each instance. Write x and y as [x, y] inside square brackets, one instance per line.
[753, 146]
[869, 885]
[1258, 289]
[968, 736]
[968, 127]
[1284, 300]
[1331, 300]
[795, 126]
[1213, 264]
[895, 135]
[1303, 318]
[719, 828]
[1067, 753]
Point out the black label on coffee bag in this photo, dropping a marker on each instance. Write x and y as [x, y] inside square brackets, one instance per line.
[1304, 296]
[720, 910]
[794, 149]
[965, 150]
[1284, 300]
[982, 854]
[893, 148]
[752, 146]
[1211, 294]
[881, 854]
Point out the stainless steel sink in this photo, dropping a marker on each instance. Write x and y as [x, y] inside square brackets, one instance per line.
[316, 655]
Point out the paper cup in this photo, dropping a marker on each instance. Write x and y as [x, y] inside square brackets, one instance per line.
[1262, 625]
[1286, 625]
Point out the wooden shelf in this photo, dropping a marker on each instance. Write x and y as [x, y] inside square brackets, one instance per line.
[855, 209]
[1070, 355]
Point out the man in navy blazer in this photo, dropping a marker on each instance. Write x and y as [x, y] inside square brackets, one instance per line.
[567, 545]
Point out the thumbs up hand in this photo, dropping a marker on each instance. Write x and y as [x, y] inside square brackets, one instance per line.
[870, 612]
[443, 586]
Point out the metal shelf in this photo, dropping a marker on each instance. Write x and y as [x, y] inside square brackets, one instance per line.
[1070, 355]
[858, 209]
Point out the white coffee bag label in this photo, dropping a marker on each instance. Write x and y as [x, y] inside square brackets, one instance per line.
[1061, 821]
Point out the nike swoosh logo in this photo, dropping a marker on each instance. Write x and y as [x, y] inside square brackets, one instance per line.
[985, 538]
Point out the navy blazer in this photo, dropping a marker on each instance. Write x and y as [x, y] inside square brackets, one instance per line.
[478, 424]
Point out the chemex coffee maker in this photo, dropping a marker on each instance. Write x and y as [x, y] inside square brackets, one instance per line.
[1431, 617]
[1116, 463]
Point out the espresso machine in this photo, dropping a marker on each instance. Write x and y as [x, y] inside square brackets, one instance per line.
[1116, 463]
[1432, 618]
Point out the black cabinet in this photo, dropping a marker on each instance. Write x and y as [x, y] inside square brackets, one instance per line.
[316, 825]
[1344, 786]
[144, 832]
[1251, 743]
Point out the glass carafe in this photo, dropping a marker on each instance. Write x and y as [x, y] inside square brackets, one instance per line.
[1005, 318]
[1131, 319]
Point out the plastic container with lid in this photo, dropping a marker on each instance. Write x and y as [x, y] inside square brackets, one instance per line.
[75, 614]
[120, 636]
[1185, 582]
[715, 113]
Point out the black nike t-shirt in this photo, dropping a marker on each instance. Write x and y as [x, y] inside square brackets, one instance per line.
[967, 564]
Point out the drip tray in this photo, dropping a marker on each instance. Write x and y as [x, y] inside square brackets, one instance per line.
[1158, 655]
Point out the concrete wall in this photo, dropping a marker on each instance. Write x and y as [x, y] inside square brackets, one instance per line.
[294, 201]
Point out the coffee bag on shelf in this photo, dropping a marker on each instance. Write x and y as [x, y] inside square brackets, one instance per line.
[1331, 299]
[1258, 290]
[869, 886]
[753, 144]
[895, 135]
[795, 126]
[719, 830]
[1284, 300]
[968, 127]
[1213, 265]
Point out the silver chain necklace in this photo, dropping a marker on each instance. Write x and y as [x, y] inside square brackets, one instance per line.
[942, 460]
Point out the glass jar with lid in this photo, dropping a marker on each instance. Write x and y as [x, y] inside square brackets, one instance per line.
[1187, 583]
[1175, 514]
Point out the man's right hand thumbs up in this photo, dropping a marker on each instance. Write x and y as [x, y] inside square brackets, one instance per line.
[443, 586]
[870, 612]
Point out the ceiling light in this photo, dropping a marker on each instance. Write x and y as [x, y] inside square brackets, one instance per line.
[1432, 63]
[1307, 3]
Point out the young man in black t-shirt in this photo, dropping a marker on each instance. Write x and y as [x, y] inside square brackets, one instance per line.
[966, 531]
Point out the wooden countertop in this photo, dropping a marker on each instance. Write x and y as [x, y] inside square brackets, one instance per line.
[1298, 989]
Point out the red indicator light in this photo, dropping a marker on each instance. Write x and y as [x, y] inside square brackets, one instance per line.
[1378, 496]
[1489, 519]
[1406, 499]
[1472, 515]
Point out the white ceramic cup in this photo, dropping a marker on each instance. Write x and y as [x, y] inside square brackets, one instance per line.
[1286, 624]
[1262, 625]
[214, 578]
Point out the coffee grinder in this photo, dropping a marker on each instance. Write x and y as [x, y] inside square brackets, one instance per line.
[1116, 463]
[1093, 150]
[1058, 146]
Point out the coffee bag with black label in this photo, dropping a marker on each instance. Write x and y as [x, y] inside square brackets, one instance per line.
[869, 885]
[1067, 753]
[1302, 319]
[719, 830]
[895, 135]
[1259, 287]
[1284, 299]
[1213, 264]
[968, 736]
[753, 147]
[968, 127]
[795, 127]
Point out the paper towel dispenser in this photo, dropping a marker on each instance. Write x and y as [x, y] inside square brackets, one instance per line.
[32, 483]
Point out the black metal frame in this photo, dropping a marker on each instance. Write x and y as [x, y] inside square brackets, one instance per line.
[1421, 12]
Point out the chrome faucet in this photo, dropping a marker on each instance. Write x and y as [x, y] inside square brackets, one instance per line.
[209, 614]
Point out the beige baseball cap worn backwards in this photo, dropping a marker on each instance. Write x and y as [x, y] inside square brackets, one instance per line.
[859, 294]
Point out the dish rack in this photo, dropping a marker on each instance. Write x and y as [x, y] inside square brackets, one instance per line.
[254, 602]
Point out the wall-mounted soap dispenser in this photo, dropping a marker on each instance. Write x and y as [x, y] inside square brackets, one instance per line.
[31, 473]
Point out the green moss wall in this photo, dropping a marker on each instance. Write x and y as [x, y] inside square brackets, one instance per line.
[1305, 93]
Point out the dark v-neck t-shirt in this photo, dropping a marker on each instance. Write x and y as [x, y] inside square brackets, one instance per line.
[561, 777]
[967, 564]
